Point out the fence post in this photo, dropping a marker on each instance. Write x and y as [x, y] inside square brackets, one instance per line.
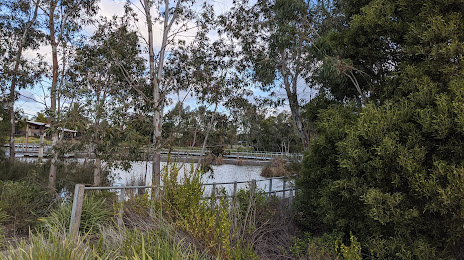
[234, 193]
[151, 190]
[122, 197]
[76, 210]
[291, 195]
[270, 186]
[285, 180]
[213, 195]
[41, 145]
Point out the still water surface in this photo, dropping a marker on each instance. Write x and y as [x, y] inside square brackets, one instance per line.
[221, 173]
[141, 171]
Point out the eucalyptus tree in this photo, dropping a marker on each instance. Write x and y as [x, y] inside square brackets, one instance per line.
[99, 76]
[208, 69]
[275, 39]
[64, 19]
[19, 32]
[174, 17]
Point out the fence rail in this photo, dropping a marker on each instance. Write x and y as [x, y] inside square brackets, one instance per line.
[265, 156]
[243, 155]
[79, 190]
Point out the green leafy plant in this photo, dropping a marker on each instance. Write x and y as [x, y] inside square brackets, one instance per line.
[309, 247]
[54, 245]
[206, 221]
[23, 203]
[3, 218]
[95, 212]
[145, 242]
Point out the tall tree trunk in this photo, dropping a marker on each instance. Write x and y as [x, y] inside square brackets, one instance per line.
[155, 81]
[156, 164]
[53, 43]
[14, 80]
[302, 130]
[12, 121]
[96, 136]
[205, 141]
[290, 85]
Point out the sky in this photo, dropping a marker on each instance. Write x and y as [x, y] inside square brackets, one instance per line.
[33, 100]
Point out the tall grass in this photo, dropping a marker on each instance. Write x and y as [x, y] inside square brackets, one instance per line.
[3, 217]
[180, 226]
[144, 238]
[152, 243]
[95, 212]
[55, 245]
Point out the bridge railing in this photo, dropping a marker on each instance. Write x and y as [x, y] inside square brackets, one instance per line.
[287, 191]
[246, 155]
[256, 155]
[31, 147]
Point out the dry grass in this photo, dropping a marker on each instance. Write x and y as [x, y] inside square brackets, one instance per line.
[276, 168]
[219, 160]
[239, 162]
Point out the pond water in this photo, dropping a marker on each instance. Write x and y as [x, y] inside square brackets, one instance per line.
[221, 173]
[141, 171]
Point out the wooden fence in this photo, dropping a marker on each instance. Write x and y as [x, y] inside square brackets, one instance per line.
[288, 191]
[32, 149]
[243, 155]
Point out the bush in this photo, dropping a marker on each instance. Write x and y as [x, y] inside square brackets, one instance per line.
[54, 245]
[276, 168]
[150, 242]
[95, 212]
[3, 218]
[393, 177]
[23, 203]
[263, 226]
[68, 173]
[206, 221]
[308, 247]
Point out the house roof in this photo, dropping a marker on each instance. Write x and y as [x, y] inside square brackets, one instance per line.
[48, 126]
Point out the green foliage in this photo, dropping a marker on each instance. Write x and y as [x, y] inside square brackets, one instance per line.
[250, 199]
[3, 218]
[23, 203]
[68, 173]
[309, 247]
[352, 252]
[54, 245]
[391, 171]
[161, 242]
[95, 212]
[206, 220]
[392, 177]
[40, 117]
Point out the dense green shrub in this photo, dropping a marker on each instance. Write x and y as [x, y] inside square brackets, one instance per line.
[3, 218]
[318, 208]
[205, 220]
[392, 171]
[394, 177]
[325, 247]
[68, 173]
[96, 211]
[23, 203]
